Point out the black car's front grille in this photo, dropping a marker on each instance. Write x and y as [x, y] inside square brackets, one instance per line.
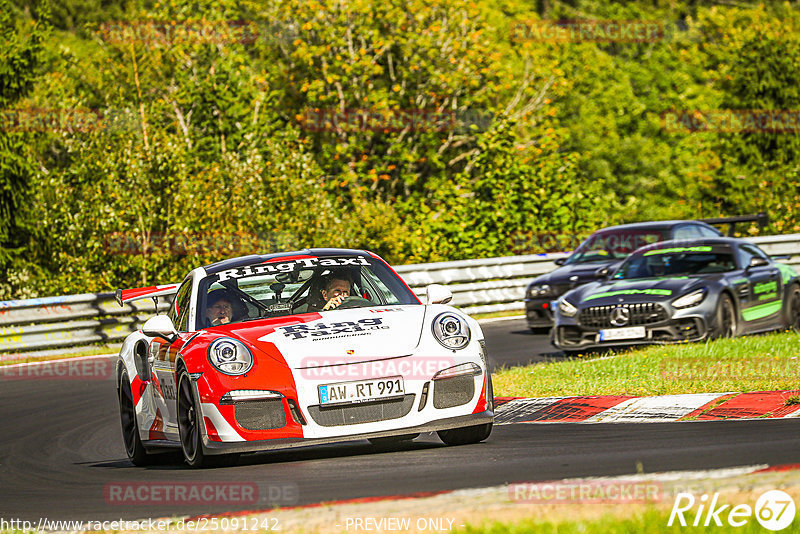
[353, 414]
[261, 414]
[643, 313]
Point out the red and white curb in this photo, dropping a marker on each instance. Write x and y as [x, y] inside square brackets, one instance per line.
[628, 409]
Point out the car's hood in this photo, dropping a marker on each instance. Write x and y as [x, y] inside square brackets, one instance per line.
[641, 290]
[564, 275]
[339, 336]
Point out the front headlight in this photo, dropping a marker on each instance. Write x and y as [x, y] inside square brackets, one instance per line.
[230, 356]
[451, 331]
[691, 299]
[539, 290]
[567, 309]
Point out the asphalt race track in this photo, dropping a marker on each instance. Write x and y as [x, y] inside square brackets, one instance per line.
[61, 451]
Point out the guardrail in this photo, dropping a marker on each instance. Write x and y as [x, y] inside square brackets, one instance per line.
[478, 286]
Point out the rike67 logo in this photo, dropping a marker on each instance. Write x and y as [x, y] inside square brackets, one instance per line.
[774, 510]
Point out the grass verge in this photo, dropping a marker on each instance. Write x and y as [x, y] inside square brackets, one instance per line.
[43, 356]
[753, 363]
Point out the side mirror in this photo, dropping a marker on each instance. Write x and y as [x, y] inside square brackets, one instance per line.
[560, 261]
[757, 261]
[602, 272]
[437, 294]
[160, 326]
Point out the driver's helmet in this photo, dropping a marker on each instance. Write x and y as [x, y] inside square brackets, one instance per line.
[238, 307]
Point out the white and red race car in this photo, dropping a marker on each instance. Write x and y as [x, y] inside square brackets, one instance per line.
[293, 349]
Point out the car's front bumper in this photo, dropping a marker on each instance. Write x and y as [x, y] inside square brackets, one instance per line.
[217, 447]
[574, 336]
[538, 312]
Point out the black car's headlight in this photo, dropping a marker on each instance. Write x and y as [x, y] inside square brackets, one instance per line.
[690, 299]
[451, 331]
[230, 356]
[540, 290]
[566, 308]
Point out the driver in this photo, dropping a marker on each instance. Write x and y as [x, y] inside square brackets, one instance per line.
[219, 308]
[337, 288]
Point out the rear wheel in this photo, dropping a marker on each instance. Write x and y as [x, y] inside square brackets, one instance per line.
[466, 435]
[793, 310]
[724, 318]
[130, 429]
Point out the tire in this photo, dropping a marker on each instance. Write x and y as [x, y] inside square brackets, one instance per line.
[793, 309]
[724, 318]
[389, 441]
[465, 435]
[130, 427]
[189, 430]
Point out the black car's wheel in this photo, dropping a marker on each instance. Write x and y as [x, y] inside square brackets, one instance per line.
[466, 435]
[724, 318]
[130, 429]
[388, 441]
[793, 309]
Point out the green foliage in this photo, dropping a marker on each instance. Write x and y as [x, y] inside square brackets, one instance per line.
[233, 127]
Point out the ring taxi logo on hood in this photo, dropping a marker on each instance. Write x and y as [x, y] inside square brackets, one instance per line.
[289, 266]
[321, 330]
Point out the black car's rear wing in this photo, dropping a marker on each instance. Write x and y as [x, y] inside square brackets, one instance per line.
[761, 218]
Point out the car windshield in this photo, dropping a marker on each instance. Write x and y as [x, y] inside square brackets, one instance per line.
[679, 261]
[613, 245]
[304, 284]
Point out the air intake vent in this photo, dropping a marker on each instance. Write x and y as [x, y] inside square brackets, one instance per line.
[368, 412]
[455, 391]
[261, 415]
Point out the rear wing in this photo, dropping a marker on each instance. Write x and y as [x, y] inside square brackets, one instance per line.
[123, 296]
[761, 218]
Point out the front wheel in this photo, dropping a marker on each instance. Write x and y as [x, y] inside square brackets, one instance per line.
[130, 429]
[724, 318]
[466, 435]
[793, 310]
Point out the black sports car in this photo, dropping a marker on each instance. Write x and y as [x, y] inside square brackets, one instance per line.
[604, 249]
[677, 291]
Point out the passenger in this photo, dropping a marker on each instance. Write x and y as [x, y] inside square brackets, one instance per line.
[219, 308]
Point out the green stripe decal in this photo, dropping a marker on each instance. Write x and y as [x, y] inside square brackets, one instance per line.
[666, 292]
[762, 310]
[677, 250]
[787, 271]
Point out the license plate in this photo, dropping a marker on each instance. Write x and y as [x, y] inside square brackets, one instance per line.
[361, 390]
[630, 332]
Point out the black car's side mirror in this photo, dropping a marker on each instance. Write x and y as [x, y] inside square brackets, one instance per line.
[757, 261]
[560, 261]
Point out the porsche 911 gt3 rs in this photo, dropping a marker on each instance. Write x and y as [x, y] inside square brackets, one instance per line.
[675, 291]
[301, 348]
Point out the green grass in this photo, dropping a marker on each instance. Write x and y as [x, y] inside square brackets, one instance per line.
[753, 363]
[648, 520]
[508, 313]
